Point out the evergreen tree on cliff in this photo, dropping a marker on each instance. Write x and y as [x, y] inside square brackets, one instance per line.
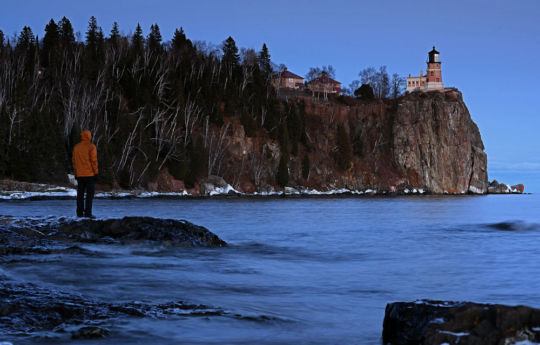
[264, 61]
[49, 49]
[364, 92]
[26, 39]
[137, 41]
[94, 50]
[180, 41]
[114, 36]
[26, 49]
[66, 32]
[231, 58]
[154, 39]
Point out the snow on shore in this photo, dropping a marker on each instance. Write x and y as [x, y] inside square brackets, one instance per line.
[57, 192]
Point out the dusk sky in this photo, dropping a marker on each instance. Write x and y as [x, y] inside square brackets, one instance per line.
[489, 49]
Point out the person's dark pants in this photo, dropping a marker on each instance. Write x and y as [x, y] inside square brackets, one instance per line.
[85, 185]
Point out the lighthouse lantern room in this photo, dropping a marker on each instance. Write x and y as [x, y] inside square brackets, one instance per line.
[433, 78]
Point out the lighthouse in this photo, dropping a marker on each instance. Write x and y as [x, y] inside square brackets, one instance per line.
[434, 77]
[432, 80]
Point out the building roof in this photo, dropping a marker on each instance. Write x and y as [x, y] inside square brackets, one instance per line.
[433, 51]
[324, 79]
[288, 74]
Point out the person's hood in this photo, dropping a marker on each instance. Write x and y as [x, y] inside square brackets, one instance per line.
[86, 135]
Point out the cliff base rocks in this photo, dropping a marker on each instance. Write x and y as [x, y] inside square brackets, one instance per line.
[435, 322]
[501, 188]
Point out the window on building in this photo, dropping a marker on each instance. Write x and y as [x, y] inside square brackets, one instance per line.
[437, 80]
[432, 73]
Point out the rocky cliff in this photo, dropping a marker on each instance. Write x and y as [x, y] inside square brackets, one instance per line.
[422, 141]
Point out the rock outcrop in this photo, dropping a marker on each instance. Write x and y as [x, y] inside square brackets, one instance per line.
[424, 141]
[501, 188]
[61, 235]
[435, 322]
[26, 309]
[437, 145]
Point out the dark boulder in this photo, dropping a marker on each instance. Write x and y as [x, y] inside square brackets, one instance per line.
[50, 235]
[434, 322]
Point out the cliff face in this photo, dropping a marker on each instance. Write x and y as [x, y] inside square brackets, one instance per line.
[422, 140]
[436, 144]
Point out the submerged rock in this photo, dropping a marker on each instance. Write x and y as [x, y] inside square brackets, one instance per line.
[50, 235]
[90, 332]
[434, 322]
[26, 310]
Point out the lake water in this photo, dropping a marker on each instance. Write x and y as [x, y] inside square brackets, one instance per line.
[320, 269]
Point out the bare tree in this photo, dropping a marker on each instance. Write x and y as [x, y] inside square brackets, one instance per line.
[398, 84]
[216, 145]
[257, 166]
[378, 80]
[192, 113]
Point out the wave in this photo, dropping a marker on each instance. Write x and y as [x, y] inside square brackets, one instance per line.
[292, 253]
[515, 225]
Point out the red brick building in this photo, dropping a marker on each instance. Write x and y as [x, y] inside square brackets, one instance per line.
[287, 79]
[324, 84]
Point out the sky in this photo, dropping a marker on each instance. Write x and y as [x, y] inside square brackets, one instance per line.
[489, 49]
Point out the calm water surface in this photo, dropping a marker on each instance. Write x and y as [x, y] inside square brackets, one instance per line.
[322, 270]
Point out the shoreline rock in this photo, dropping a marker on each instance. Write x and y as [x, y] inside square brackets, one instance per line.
[501, 188]
[51, 235]
[216, 187]
[441, 322]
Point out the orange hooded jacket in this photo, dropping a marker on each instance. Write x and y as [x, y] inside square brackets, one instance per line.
[85, 157]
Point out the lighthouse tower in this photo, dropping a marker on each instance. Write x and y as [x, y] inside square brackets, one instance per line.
[433, 77]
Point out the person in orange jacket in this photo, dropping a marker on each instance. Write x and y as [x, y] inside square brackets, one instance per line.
[85, 165]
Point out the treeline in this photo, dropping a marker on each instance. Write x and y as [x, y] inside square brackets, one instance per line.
[149, 104]
[375, 83]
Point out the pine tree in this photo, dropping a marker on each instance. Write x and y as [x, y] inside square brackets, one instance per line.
[26, 39]
[26, 48]
[94, 50]
[66, 32]
[1, 40]
[364, 92]
[230, 58]
[137, 41]
[154, 38]
[264, 61]
[179, 41]
[91, 34]
[49, 50]
[115, 34]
